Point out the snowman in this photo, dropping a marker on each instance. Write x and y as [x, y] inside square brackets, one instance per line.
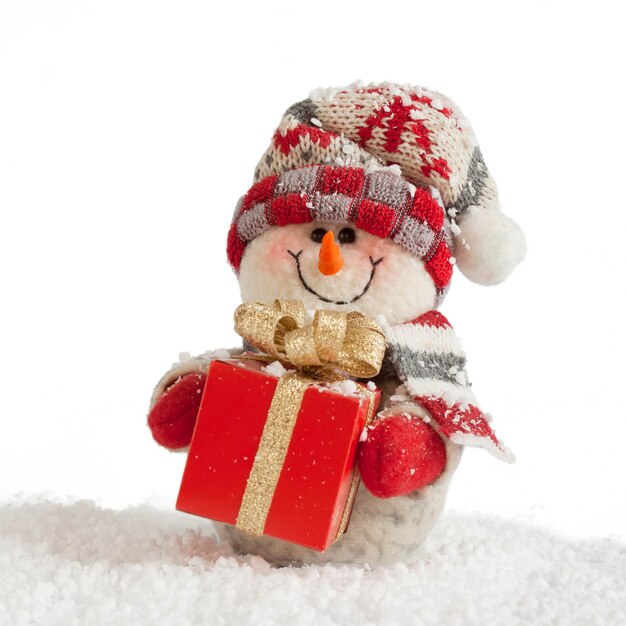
[365, 201]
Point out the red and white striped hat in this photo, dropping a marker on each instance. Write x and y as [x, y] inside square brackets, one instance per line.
[396, 161]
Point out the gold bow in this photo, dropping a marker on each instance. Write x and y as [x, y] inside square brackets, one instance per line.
[333, 345]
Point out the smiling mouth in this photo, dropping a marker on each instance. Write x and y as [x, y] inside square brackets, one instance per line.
[296, 256]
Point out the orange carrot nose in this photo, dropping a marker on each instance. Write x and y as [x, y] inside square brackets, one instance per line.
[331, 260]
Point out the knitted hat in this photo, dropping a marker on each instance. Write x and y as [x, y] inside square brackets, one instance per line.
[396, 161]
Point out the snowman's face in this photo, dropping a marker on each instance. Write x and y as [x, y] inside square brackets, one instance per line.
[378, 277]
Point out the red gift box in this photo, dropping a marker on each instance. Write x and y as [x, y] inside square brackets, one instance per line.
[237, 472]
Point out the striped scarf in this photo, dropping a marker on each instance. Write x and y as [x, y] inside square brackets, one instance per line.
[427, 357]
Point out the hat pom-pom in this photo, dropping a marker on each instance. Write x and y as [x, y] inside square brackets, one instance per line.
[488, 246]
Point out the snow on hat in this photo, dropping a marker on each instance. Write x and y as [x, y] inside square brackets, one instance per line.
[396, 161]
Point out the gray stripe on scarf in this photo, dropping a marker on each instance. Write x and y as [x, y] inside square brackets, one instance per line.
[426, 364]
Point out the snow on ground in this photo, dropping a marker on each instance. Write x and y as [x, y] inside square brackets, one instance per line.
[75, 563]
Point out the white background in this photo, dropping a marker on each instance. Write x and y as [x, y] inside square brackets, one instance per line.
[128, 130]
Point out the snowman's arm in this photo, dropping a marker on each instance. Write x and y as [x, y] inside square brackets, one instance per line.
[191, 365]
[176, 399]
[402, 452]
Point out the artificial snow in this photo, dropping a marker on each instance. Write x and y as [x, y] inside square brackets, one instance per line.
[71, 564]
[346, 387]
[186, 357]
[220, 354]
[324, 93]
[437, 104]
[393, 169]
[183, 357]
[399, 398]
[275, 368]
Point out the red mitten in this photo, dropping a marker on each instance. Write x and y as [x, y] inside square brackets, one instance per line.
[401, 454]
[173, 416]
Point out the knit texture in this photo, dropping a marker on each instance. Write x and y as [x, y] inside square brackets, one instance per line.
[401, 454]
[173, 417]
[420, 130]
[380, 203]
[424, 354]
[427, 357]
[333, 157]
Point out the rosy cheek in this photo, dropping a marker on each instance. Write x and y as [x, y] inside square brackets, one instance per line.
[277, 252]
[359, 257]
[378, 248]
[357, 263]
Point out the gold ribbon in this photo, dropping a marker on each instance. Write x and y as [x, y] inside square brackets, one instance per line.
[270, 456]
[334, 345]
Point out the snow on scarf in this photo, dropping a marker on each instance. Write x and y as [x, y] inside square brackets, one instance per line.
[427, 357]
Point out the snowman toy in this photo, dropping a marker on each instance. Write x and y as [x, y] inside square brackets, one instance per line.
[365, 201]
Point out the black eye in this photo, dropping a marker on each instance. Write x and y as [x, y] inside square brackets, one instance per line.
[347, 235]
[317, 235]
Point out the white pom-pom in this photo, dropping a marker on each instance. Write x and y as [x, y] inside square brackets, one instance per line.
[489, 245]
